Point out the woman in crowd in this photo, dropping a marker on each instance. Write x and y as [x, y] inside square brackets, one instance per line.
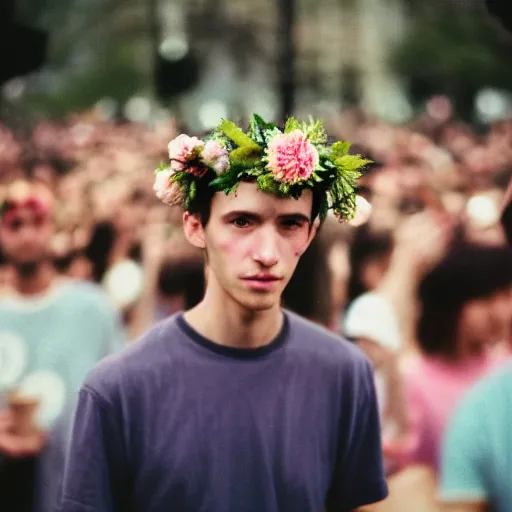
[463, 300]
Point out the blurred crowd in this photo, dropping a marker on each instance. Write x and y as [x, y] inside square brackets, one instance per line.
[423, 286]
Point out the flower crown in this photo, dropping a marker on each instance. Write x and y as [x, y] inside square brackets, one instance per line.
[284, 163]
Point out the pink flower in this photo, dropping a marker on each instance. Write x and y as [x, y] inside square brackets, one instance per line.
[216, 156]
[182, 149]
[169, 192]
[292, 157]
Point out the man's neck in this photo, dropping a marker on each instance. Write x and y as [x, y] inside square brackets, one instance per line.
[228, 323]
[35, 280]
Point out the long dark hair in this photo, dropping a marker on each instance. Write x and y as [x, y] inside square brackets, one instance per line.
[466, 273]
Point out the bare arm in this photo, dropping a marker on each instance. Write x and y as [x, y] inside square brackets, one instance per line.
[466, 507]
[396, 399]
[421, 242]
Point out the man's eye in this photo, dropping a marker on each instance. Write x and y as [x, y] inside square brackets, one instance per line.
[291, 224]
[241, 222]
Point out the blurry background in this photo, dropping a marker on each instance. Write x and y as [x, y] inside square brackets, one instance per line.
[202, 59]
[92, 91]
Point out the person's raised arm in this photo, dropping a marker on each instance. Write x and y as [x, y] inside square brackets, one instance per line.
[466, 507]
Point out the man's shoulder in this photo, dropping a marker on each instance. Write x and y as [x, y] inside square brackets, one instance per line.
[323, 345]
[141, 357]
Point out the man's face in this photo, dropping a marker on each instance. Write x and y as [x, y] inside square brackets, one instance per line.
[253, 242]
[25, 234]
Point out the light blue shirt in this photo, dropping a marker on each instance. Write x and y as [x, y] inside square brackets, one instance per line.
[477, 454]
[48, 345]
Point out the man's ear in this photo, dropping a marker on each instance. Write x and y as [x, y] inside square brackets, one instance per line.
[194, 230]
[313, 230]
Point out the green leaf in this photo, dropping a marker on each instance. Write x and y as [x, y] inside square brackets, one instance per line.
[247, 156]
[324, 209]
[162, 167]
[269, 134]
[178, 176]
[185, 190]
[267, 183]
[193, 190]
[315, 131]
[233, 132]
[351, 162]
[316, 177]
[292, 124]
[284, 188]
[339, 149]
[222, 181]
[258, 129]
[253, 172]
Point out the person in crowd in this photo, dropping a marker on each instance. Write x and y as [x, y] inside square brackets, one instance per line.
[369, 257]
[53, 330]
[235, 404]
[180, 286]
[378, 321]
[461, 302]
[476, 459]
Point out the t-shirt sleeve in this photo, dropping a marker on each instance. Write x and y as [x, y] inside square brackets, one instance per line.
[462, 475]
[95, 466]
[359, 471]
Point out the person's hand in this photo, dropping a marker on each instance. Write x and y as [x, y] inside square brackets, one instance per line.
[423, 239]
[18, 446]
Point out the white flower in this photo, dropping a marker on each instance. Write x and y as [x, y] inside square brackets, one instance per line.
[169, 192]
[363, 212]
[182, 149]
[216, 156]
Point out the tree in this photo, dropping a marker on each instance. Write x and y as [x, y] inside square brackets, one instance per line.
[456, 53]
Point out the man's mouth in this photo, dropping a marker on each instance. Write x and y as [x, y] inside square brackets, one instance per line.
[262, 278]
[264, 282]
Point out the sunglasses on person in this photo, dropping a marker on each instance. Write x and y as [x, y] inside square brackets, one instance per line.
[14, 222]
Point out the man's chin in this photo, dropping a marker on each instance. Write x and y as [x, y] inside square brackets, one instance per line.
[261, 302]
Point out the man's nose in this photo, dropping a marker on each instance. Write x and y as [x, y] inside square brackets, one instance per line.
[266, 250]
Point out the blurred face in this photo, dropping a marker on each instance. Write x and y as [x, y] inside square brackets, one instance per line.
[484, 321]
[25, 235]
[253, 241]
[374, 270]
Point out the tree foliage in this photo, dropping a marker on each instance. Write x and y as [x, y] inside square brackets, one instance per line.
[455, 52]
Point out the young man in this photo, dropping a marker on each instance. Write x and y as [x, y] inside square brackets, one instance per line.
[52, 332]
[236, 405]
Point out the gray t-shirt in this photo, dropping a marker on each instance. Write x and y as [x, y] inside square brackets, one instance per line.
[177, 423]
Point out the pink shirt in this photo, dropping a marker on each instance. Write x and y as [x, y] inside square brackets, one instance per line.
[434, 387]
